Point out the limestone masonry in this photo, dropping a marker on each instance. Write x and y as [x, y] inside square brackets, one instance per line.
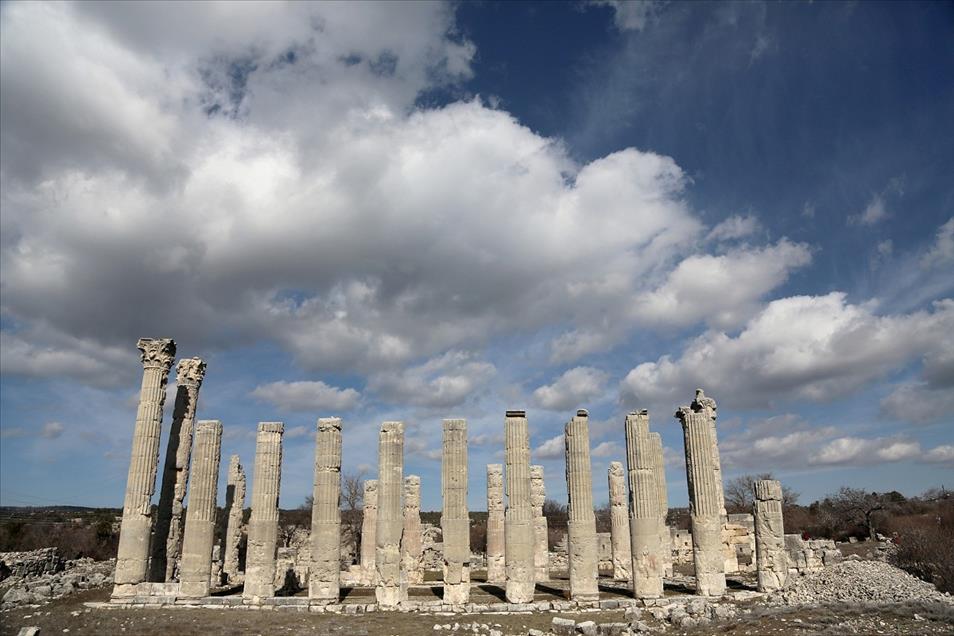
[496, 568]
[186, 556]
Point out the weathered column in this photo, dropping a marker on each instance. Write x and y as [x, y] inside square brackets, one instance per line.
[518, 519]
[496, 564]
[369, 530]
[263, 524]
[541, 552]
[325, 575]
[665, 537]
[455, 520]
[704, 510]
[707, 405]
[132, 558]
[771, 558]
[643, 508]
[391, 588]
[619, 522]
[199, 536]
[235, 503]
[581, 525]
[167, 536]
[411, 548]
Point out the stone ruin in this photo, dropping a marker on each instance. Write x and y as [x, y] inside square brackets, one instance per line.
[175, 559]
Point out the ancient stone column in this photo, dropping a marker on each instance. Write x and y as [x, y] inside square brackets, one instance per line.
[455, 520]
[643, 508]
[132, 558]
[199, 536]
[771, 558]
[235, 504]
[619, 522]
[541, 552]
[263, 524]
[496, 563]
[665, 538]
[704, 501]
[518, 519]
[369, 528]
[390, 589]
[581, 525]
[325, 575]
[704, 404]
[167, 536]
[411, 548]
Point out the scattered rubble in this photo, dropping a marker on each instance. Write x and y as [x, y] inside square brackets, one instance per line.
[39, 576]
[859, 582]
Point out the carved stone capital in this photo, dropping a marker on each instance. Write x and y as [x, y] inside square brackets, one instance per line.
[703, 403]
[190, 371]
[157, 353]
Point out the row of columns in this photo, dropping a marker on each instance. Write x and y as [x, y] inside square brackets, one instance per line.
[391, 538]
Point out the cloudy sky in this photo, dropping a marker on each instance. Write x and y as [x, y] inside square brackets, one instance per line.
[388, 211]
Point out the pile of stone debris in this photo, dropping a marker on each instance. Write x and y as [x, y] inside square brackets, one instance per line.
[853, 582]
[39, 576]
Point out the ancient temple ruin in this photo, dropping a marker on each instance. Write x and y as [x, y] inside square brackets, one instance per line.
[169, 558]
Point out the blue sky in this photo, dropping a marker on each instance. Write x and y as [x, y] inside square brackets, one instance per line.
[386, 211]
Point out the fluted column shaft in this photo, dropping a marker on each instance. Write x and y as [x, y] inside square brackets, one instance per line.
[167, 535]
[581, 526]
[496, 559]
[369, 530]
[619, 522]
[771, 558]
[643, 508]
[541, 553]
[390, 588]
[411, 546]
[665, 537]
[235, 502]
[263, 524]
[704, 502]
[325, 576]
[518, 519]
[455, 520]
[132, 558]
[199, 536]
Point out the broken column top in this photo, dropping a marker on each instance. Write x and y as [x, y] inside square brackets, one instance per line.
[235, 463]
[616, 469]
[157, 352]
[455, 424]
[190, 371]
[640, 412]
[516, 413]
[271, 427]
[768, 489]
[703, 403]
[582, 413]
[392, 427]
[329, 424]
[412, 480]
[208, 426]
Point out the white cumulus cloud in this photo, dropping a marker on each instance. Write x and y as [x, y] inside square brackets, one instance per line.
[800, 348]
[572, 390]
[307, 396]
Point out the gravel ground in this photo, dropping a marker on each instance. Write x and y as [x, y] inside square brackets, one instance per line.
[69, 616]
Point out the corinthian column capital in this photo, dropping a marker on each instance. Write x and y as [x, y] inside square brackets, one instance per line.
[157, 353]
[190, 371]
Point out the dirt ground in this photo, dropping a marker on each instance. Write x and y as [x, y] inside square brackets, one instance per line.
[70, 616]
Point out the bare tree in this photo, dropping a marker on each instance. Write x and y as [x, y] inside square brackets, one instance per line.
[854, 507]
[740, 498]
[352, 504]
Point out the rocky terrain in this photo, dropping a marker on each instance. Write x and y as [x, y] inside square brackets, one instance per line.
[859, 582]
[39, 576]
